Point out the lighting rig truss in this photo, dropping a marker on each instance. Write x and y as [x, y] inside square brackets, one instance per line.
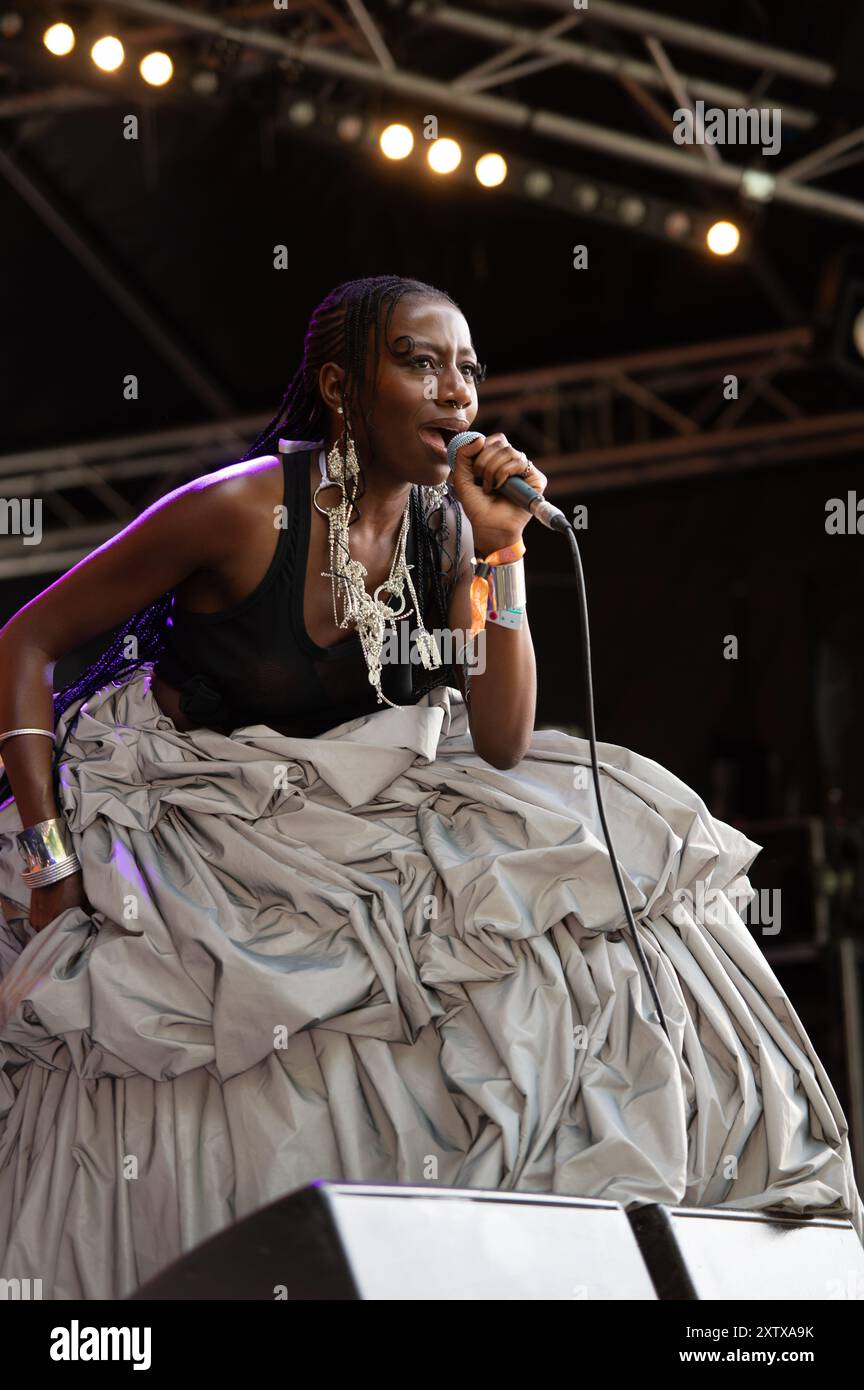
[673, 221]
[356, 50]
[617, 422]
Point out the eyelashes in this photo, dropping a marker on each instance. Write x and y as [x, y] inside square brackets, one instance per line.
[478, 370]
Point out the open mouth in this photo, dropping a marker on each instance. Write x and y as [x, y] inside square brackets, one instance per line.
[438, 437]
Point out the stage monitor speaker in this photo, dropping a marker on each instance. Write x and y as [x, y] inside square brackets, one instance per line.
[717, 1253]
[335, 1240]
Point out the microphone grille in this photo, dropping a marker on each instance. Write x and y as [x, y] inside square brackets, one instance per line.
[456, 444]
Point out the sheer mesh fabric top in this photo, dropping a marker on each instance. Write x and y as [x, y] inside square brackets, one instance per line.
[255, 663]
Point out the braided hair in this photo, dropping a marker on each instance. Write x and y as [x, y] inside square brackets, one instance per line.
[338, 331]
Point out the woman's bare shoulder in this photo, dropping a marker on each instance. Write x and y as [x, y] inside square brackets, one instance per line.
[249, 483]
[200, 526]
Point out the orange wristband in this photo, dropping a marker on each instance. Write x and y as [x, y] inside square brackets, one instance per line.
[480, 587]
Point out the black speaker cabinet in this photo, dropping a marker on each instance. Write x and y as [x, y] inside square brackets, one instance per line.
[714, 1253]
[338, 1240]
[341, 1240]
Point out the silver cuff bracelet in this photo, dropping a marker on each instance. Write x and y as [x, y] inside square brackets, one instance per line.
[507, 594]
[47, 852]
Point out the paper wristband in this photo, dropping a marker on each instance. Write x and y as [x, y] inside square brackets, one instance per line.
[480, 587]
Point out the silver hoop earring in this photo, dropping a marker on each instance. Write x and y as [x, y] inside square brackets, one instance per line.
[337, 469]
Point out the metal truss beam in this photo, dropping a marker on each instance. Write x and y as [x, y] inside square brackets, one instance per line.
[702, 40]
[525, 40]
[595, 443]
[413, 86]
[62, 98]
[625, 421]
[822, 161]
[371, 33]
[489, 73]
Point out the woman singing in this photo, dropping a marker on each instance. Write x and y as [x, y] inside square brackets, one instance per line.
[292, 888]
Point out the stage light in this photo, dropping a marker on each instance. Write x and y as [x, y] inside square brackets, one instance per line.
[396, 141]
[107, 53]
[858, 332]
[302, 113]
[349, 128]
[156, 68]
[586, 197]
[676, 224]
[443, 156]
[722, 238]
[538, 183]
[204, 82]
[59, 39]
[491, 170]
[758, 185]
[632, 211]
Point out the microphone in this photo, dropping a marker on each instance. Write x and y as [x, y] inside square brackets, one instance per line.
[514, 489]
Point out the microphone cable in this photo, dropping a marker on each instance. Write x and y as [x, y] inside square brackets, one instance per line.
[592, 741]
[557, 521]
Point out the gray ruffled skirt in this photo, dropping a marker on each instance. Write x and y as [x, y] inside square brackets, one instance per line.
[372, 956]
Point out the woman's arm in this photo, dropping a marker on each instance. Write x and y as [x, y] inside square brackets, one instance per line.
[502, 703]
[190, 529]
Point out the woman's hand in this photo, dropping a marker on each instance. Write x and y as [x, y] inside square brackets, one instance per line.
[49, 901]
[495, 521]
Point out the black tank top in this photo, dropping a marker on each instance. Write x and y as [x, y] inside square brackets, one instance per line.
[255, 662]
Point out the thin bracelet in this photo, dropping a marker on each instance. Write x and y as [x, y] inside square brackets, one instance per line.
[49, 733]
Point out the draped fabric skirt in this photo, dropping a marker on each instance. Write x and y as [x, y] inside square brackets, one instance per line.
[371, 956]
